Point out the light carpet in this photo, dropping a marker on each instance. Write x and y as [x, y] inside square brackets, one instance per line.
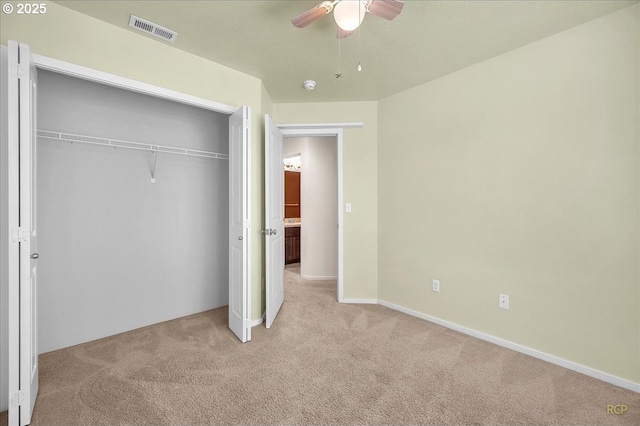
[321, 363]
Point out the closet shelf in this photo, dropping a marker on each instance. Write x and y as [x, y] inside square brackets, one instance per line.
[91, 140]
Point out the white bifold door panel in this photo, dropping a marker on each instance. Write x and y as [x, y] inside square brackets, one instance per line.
[23, 350]
[274, 218]
[239, 223]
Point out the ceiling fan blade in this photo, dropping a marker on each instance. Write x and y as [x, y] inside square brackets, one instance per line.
[344, 34]
[312, 15]
[387, 9]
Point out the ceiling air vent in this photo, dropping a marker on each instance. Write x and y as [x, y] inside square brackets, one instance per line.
[153, 29]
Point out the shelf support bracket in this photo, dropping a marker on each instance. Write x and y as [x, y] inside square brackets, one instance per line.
[153, 170]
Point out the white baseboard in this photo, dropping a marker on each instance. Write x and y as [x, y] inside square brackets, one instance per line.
[583, 369]
[362, 301]
[253, 323]
[313, 278]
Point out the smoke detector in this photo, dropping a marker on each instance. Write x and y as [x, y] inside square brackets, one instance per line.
[309, 84]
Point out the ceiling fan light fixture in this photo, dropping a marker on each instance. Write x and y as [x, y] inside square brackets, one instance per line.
[349, 14]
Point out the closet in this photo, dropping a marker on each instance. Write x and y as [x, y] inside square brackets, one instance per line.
[127, 204]
[127, 237]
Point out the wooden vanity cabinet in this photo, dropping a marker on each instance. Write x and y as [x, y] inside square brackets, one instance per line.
[291, 245]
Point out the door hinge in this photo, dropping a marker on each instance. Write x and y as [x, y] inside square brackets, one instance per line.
[21, 71]
[17, 398]
[18, 235]
[247, 223]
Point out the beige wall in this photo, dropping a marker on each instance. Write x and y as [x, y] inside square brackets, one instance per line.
[519, 175]
[360, 185]
[72, 37]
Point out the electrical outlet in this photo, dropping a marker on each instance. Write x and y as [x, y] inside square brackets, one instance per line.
[504, 301]
[436, 285]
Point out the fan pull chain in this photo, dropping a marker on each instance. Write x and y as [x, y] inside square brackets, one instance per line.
[339, 73]
[359, 40]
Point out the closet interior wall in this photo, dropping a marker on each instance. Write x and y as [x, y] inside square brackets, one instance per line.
[118, 252]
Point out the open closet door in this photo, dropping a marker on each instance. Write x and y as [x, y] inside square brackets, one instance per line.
[274, 217]
[239, 223]
[23, 351]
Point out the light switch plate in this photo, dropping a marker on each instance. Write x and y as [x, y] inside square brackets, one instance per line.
[347, 207]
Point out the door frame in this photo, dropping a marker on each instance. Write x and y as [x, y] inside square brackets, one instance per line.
[89, 74]
[330, 130]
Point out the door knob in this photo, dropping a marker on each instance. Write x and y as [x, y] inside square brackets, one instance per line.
[34, 256]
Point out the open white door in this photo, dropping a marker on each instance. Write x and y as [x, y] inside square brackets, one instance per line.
[239, 223]
[274, 220]
[23, 350]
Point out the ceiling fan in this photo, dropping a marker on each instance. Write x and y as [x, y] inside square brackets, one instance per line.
[349, 13]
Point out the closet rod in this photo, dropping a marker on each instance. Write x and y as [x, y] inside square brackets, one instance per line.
[91, 140]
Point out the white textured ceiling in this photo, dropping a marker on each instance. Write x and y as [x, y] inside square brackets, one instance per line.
[428, 40]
